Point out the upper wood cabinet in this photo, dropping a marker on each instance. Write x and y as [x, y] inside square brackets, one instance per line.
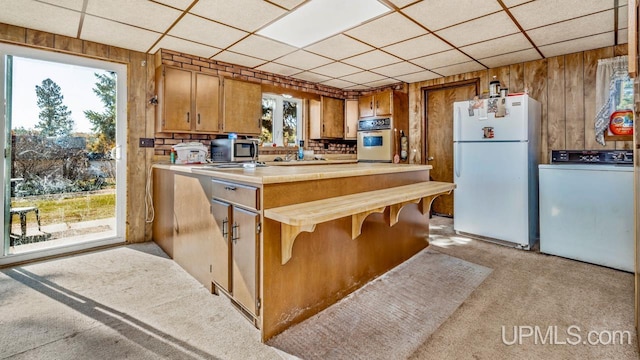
[326, 118]
[188, 101]
[351, 119]
[242, 109]
[380, 104]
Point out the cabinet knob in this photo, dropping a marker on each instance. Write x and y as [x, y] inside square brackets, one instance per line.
[188, 117]
[235, 232]
[198, 118]
[430, 158]
[230, 188]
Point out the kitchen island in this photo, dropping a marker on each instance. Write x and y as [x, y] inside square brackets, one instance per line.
[284, 243]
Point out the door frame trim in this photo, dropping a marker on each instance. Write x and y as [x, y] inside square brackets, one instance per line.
[425, 102]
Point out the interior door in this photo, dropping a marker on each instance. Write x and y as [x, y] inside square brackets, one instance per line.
[439, 144]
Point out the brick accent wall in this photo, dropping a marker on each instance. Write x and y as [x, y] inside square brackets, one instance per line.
[164, 141]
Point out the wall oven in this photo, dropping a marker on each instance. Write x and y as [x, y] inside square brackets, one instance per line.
[375, 140]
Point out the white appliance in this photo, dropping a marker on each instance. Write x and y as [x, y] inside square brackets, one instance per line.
[586, 213]
[495, 169]
[375, 143]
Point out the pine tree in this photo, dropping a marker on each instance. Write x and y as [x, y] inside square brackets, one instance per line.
[55, 118]
[104, 123]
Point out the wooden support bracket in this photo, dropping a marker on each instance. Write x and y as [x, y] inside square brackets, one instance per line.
[394, 210]
[427, 201]
[358, 219]
[288, 234]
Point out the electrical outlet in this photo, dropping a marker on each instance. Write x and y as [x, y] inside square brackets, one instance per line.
[147, 142]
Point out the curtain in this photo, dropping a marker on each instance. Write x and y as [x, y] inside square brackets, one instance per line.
[609, 72]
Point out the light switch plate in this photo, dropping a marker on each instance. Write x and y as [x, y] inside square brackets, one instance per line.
[147, 142]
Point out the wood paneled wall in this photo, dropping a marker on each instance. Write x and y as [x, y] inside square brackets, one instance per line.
[564, 85]
[140, 115]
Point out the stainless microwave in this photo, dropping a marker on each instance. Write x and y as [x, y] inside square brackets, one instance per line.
[234, 150]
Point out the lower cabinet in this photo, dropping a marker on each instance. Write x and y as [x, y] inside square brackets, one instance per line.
[183, 223]
[236, 243]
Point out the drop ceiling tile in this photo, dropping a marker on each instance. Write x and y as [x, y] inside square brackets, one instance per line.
[383, 82]
[144, 14]
[206, 32]
[497, 46]
[417, 47]
[363, 77]
[623, 16]
[179, 4]
[303, 60]
[397, 69]
[441, 59]
[438, 14]
[623, 36]
[312, 77]
[483, 29]
[288, 4]
[185, 47]
[336, 69]
[117, 34]
[278, 69]
[418, 76]
[238, 59]
[372, 59]
[402, 3]
[263, 48]
[512, 3]
[511, 58]
[573, 29]
[337, 83]
[39, 16]
[358, 87]
[386, 30]
[248, 15]
[572, 46]
[69, 4]
[339, 47]
[459, 68]
[544, 12]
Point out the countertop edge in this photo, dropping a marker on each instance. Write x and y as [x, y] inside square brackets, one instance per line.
[250, 175]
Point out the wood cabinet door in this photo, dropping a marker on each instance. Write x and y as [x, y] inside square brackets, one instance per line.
[332, 117]
[383, 103]
[245, 258]
[365, 106]
[351, 119]
[207, 100]
[242, 107]
[221, 248]
[194, 226]
[176, 107]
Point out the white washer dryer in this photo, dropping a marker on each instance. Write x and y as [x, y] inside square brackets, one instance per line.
[586, 208]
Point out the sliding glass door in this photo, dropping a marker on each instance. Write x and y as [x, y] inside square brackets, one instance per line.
[64, 168]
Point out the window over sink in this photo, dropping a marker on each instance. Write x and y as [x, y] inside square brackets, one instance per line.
[281, 120]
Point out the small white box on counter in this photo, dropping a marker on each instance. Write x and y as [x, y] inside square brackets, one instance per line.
[190, 153]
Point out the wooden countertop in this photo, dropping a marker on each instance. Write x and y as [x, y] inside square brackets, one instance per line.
[284, 174]
[310, 162]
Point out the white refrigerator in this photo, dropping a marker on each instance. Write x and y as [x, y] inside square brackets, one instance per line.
[495, 169]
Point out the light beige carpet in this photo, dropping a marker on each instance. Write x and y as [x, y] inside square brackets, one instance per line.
[390, 317]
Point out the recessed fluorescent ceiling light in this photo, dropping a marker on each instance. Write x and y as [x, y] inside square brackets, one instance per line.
[319, 19]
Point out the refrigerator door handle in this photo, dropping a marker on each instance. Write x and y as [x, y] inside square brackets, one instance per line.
[457, 159]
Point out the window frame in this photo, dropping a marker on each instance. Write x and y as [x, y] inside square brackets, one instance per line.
[278, 119]
[121, 71]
